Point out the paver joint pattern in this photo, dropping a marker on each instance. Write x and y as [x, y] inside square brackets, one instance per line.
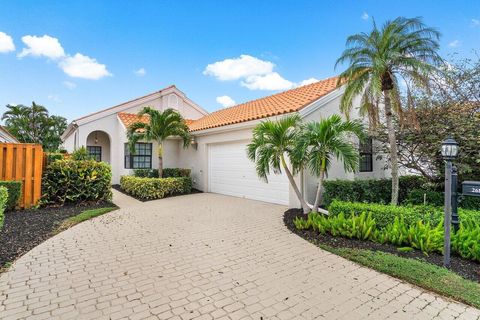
[203, 256]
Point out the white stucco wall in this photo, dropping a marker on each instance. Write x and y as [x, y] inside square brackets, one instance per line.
[110, 126]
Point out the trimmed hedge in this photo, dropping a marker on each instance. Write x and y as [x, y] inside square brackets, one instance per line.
[3, 203]
[14, 189]
[416, 197]
[176, 172]
[53, 156]
[167, 173]
[71, 181]
[155, 188]
[386, 214]
[369, 190]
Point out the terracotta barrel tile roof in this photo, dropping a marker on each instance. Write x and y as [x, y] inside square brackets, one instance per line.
[280, 103]
[130, 118]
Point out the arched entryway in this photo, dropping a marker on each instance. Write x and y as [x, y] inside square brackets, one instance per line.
[98, 145]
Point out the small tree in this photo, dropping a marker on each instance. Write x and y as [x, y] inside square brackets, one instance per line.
[35, 125]
[272, 144]
[161, 125]
[403, 49]
[319, 143]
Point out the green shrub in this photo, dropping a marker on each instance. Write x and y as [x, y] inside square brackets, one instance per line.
[81, 154]
[176, 172]
[385, 214]
[14, 189]
[466, 241]
[70, 181]
[417, 196]
[155, 188]
[145, 173]
[469, 202]
[53, 156]
[3, 203]
[369, 190]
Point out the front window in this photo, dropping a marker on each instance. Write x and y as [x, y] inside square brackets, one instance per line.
[95, 152]
[141, 159]
[366, 155]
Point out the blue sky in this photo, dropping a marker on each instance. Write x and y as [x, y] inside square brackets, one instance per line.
[94, 51]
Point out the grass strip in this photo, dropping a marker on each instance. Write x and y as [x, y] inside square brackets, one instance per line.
[84, 216]
[422, 274]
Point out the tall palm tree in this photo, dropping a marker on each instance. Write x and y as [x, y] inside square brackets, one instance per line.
[402, 49]
[161, 125]
[321, 142]
[272, 142]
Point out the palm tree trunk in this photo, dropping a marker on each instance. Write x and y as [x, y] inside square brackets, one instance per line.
[319, 197]
[160, 159]
[393, 147]
[305, 207]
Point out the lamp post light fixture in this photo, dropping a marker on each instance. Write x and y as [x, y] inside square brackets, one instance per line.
[449, 153]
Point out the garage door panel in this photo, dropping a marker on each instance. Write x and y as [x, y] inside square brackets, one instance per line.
[232, 173]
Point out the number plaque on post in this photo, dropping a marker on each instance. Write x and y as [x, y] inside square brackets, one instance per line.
[471, 188]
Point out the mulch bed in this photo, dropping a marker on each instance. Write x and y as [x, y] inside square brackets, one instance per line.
[25, 229]
[118, 188]
[465, 268]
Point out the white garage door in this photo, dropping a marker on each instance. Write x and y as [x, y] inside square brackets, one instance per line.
[232, 173]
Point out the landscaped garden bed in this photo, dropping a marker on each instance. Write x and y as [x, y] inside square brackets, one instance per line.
[357, 238]
[146, 185]
[24, 230]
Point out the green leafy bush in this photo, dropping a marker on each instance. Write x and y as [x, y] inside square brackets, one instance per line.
[386, 214]
[369, 190]
[81, 154]
[176, 172]
[70, 181]
[3, 203]
[145, 173]
[167, 173]
[466, 241]
[155, 188]
[417, 196]
[14, 189]
[469, 202]
[53, 156]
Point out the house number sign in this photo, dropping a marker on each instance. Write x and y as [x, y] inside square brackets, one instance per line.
[471, 188]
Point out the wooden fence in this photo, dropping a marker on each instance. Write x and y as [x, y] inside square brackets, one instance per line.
[23, 162]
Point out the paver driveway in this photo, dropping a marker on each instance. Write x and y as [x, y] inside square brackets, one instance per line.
[202, 256]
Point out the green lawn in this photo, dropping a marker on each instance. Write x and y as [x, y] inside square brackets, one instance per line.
[422, 274]
[85, 215]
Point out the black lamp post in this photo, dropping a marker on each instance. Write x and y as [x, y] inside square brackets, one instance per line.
[449, 153]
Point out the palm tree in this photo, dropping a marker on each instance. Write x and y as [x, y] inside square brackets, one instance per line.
[321, 142]
[403, 49]
[161, 125]
[271, 142]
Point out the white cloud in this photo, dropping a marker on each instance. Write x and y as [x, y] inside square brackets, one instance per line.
[474, 23]
[365, 16]
[454, 43]
[69, 85]
[270, 81]
[140, 72]
[54, 98]
[237, 68]
[225, 101]
[6, 43]
[81, 66]
[307, 81]
[42, 46]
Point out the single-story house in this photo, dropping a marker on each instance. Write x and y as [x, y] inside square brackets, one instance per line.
[217, 158]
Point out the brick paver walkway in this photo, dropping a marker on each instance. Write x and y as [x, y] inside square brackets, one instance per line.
[203, 256]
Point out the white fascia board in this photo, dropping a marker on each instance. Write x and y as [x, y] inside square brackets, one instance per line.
[314, 106]
[116, 109]
[72, 126]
